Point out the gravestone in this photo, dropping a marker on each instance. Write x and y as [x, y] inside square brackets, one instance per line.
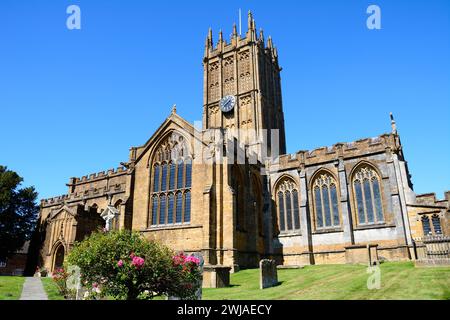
[268, 273]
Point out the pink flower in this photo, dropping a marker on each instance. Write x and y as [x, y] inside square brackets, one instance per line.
[179, 259]
[193, 259]
[120, 263]
[95, 285]
[138, 262]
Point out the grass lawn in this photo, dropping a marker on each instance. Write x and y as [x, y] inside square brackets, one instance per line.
[51, 289]
[399, 280]
[11, 287]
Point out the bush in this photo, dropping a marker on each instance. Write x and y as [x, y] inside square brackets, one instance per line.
[60, 276]
[125, 265]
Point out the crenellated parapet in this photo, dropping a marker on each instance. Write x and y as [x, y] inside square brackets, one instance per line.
[84, 195]
[99, 175]
[362, 147]
[101, 184]
[429, 199]
[54, 200]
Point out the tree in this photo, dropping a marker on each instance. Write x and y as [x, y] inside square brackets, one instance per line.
[18, 212]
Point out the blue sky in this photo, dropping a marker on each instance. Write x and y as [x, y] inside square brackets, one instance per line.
[74, 101]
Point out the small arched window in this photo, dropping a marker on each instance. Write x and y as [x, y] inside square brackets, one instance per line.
[287, 206]
[326, 207]
[426, 225]
[367, 192]
[436, 221]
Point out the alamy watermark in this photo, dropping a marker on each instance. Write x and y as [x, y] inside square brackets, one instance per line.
[374, 20]
[73, 22]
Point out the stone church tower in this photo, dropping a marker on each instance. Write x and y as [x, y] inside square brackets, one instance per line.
[246, 69]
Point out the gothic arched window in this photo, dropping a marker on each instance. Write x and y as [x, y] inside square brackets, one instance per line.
[367, 192]
[326, 206]
[287, 206]
[172, 178]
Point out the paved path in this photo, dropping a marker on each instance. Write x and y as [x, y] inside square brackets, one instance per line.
[33, 289]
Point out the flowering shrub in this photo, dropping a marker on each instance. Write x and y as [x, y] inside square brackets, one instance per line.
[60, 276]
[124, 265]
[188, 269]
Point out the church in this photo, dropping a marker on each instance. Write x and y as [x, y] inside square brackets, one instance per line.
[226, 189]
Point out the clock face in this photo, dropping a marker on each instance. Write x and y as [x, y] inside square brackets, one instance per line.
[227, 103]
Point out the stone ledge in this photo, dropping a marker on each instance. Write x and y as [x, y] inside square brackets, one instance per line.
[174, 227]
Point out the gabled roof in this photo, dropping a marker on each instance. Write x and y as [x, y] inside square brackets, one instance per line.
[173, 118]
[71, 210]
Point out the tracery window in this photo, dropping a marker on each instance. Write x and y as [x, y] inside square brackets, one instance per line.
[171, 182]
[325, 199]
[288, 206]
[367, 193]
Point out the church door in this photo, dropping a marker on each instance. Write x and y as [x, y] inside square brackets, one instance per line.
[59, 258]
